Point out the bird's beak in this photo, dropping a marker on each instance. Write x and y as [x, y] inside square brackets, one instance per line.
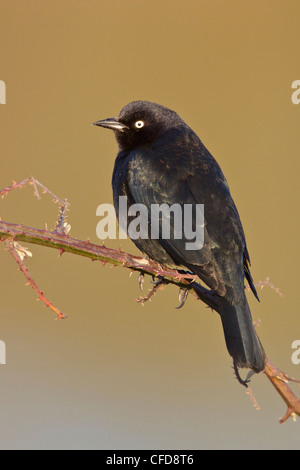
[111, 123]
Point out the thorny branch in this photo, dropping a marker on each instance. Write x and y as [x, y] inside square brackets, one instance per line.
[12, 234]
[16, 250]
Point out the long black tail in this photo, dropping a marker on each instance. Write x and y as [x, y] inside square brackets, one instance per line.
[241, 338]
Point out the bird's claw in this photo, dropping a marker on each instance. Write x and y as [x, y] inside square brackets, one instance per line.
[239, 378]
[157, 285]
[160, 279]
[183, 295]
[141, 280]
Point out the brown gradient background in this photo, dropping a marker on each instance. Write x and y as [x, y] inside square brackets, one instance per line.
[114, 374]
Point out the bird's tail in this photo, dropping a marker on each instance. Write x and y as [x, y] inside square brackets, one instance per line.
[241, 338]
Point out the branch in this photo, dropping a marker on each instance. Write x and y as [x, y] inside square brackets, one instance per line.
[18, 254]
[66, 244]
[59, 239]
[280, 380]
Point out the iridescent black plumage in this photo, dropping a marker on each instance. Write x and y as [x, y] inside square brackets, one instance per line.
[161, 160]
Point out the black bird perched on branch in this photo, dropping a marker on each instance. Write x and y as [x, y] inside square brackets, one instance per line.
[162, 161]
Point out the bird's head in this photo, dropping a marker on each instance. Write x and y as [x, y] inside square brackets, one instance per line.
[141, 122]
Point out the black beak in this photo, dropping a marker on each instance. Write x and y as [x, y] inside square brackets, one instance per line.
[111, 123]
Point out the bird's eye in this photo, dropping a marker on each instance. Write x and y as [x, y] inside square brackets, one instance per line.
[139, 124]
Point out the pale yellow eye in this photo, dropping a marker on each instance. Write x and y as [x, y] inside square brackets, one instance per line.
[139, 124]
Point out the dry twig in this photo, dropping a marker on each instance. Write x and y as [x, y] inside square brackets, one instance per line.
[59, 239]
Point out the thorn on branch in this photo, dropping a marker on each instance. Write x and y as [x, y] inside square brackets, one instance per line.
[19, 253]
[61, 225]
[255, 404]
[32, 181]
[267, 283]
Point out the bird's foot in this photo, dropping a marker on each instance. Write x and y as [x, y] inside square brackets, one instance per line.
[183, 295]
[239, 378]
[159, 284]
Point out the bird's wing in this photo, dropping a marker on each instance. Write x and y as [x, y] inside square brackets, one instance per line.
[153, 182]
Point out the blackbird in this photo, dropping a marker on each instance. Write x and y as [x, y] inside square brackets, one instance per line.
[162, 161]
